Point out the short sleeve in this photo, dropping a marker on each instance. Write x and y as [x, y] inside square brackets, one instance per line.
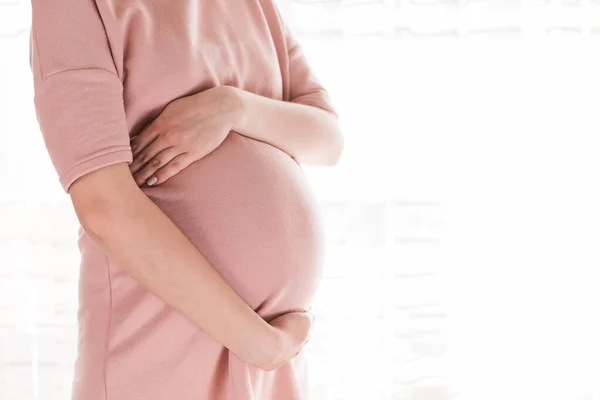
[305, 86]
[78, 95]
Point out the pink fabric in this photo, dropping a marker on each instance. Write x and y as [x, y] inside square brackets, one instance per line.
[102, 70]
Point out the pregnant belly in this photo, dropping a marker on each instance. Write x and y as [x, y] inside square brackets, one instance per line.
[248, 208]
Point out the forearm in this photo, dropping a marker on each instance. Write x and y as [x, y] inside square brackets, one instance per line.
[146, 243]
[309, 134]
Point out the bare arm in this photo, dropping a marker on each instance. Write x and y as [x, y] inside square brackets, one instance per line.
[309, 134]
[145, 242]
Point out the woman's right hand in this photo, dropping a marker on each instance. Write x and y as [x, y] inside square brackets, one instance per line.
[293, 331]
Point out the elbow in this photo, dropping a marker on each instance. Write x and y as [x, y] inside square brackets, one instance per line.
[105, 197]
[326, 146]
[328, 152]
[95, 218]
[103, 216]
[99, 214]
[335, 149]
[340, 148]
[93, 211]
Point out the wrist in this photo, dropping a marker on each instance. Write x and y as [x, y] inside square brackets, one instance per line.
[234, 104]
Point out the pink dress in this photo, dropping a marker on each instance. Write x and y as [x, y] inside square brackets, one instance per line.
[102, 70]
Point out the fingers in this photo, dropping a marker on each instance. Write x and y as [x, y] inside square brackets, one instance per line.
[303, 327]
[144, 155]
[173, 167]
[140, 141]
[297, 326]
[141, 172]
[163, 166]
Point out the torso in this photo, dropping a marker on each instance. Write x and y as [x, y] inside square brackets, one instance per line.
[246, 206]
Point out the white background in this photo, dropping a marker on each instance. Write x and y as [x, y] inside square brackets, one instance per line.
[463, 218]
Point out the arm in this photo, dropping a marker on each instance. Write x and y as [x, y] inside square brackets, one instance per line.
[309, 134]
[147, 244]
[78, 98]
[304, 124]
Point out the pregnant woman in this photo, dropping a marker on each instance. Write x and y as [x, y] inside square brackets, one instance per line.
[178, 129]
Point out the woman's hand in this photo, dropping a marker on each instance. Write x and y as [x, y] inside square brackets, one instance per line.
[187, 130]
[293, 331]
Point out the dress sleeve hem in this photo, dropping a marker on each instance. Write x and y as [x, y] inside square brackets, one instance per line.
[108, 157]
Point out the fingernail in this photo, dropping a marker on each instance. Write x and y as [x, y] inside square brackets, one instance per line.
[152, 181]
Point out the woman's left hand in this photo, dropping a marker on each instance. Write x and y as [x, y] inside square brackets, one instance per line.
[187, 130]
